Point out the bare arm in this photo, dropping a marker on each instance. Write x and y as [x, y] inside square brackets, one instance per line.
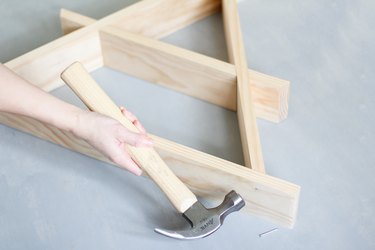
[20, 97]
[104, 133]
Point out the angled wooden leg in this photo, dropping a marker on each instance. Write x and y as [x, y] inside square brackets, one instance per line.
[245, 111]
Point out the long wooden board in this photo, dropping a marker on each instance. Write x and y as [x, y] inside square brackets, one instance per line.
[217, 86]
[43, 66]
[251, 146]
[83, 45]
[208, 176]
[188, 72]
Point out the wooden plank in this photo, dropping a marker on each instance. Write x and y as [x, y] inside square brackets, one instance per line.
[71, 21]
[161, 18]
[207, 176]
[270, 94]
[156, 19]
[211, 177]
[187, 72]
[43, 65]
[251, 146]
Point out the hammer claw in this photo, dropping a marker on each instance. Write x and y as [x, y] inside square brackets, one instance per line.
[189, 234]
[205, 221]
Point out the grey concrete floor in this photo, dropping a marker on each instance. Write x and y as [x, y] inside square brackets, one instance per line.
[52, 198]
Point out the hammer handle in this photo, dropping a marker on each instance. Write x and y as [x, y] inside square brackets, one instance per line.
[85, 87]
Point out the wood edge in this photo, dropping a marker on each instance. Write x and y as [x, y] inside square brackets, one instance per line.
[257, 80]
[284, 102]
[251, 144]
[254, 75]
[228, 168]
[195, 157]
[37, 60]
[209, 11]
[71, 21]
[281, 87]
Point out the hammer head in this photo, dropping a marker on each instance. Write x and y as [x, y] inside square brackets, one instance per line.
[205, 221]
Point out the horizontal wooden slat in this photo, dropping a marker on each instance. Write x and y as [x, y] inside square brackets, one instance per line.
[188, 72]
[270, 94]
[43, 65]
[207, 176]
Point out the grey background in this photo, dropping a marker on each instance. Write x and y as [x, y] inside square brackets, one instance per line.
[52, 198]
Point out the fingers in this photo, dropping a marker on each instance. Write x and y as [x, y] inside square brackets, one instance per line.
[123, 159]
[134, 139]
[119, 155]
[133, 119]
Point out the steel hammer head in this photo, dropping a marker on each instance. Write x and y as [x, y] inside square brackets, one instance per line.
[205, 221]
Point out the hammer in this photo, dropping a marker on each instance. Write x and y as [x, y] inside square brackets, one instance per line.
[203, 221]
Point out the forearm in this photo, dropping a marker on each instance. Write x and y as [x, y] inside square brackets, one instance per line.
[20, 97]
[103, 133]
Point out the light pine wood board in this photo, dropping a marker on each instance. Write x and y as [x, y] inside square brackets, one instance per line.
[156, 21]
[43, 65]
[207, 176]
[179, 69]
[252, 149]
[270, 94]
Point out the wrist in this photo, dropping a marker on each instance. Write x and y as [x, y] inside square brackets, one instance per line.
[77, 126]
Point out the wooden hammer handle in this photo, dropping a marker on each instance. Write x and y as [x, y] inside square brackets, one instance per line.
[85, 87]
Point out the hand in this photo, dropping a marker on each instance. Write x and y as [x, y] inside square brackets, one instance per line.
[103, 133]
[110, 137]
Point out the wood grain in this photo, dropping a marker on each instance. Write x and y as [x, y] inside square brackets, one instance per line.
[161, 18]
[208, 176]
[270, 94]
[43, 66]
[251, 146]
[212, 177]
[85, 87]
[83, 45]
[71, 21]
[185, 71]
[155, 19]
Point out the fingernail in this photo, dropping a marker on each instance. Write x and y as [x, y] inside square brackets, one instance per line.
[142, 128]
[148, 142]
[138, 172]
